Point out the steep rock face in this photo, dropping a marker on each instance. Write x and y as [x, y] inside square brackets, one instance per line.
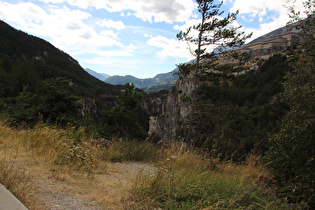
[174, 111]
[89, 108]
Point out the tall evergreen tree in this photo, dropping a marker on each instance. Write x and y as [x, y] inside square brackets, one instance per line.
[121, 120]
[215, 31]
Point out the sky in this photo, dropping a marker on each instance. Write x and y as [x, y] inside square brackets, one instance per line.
[131, 37]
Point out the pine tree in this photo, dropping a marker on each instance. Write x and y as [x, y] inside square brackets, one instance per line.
[214, 31]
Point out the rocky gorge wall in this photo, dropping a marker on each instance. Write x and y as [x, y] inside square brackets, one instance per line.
[172, 116]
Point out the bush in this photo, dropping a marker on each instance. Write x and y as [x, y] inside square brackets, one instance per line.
[292, 151]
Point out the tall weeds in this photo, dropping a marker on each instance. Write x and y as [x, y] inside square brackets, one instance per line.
[18, 182]
[184, 179]
[130, 150]
[191, 181]
[62, 147]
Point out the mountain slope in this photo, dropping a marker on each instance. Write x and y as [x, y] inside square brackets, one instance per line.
[99, 76]
[50, 62]
[273, 33]
[161, 81]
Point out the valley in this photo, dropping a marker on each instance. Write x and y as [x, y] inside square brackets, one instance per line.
[223, 131]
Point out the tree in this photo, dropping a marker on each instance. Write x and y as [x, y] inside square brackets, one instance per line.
[25, 109]
[121, 120]
[57, 102]
[5, 70]
[305, 23]
[215, 31]
[292, 151]
[23, 74]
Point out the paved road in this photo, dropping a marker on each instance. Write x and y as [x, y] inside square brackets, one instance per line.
[8, 201]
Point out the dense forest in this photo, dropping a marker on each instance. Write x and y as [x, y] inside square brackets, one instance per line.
[239, 113]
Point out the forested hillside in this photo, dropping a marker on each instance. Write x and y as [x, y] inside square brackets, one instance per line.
[32, 64]
[48, 61]
[38, 81]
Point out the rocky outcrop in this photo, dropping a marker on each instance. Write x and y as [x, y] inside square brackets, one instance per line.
[89, 108]
[174, 111]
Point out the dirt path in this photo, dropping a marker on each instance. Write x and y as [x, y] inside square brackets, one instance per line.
[52, 189]
[107, 190]
[42, 185]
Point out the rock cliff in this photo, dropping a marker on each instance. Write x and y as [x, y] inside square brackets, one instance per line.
[170, 122]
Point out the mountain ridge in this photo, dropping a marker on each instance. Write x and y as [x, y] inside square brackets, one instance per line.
[50, 62]
[100, 76]
[163, 80]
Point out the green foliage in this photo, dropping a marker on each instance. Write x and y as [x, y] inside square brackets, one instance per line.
[131, 150]
[292, 151]
[25, 109]
[23, 74]
[236, 114]
[58, 104]
[121, 120]
[184, 68]
[26, 98]
[188, 182]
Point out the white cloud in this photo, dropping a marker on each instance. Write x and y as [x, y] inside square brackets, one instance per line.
[170, 47]
[118, 25]
[271, 14]
[64, 28]
[148, 35]
[152, 11]
[257, 7]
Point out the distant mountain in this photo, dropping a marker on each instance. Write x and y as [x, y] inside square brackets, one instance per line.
[99, 76]
[273, 33]
[164, 81]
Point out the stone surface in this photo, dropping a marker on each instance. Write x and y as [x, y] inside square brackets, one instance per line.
[9, 201]
[174, 111]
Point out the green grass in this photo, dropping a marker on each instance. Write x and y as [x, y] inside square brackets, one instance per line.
[191, 182]
[119, 150]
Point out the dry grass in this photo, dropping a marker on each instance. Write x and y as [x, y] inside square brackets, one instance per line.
[45, 162]
[189, 180]
[54, 163]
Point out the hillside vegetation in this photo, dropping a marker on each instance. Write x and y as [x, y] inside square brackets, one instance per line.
[183, 178]
[39, 81]
[251, 143]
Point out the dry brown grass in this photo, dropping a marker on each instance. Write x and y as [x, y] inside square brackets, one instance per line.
[32, 169]
[59, 172]
[251, 170]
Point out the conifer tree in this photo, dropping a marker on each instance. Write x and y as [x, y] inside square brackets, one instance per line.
[213, 31]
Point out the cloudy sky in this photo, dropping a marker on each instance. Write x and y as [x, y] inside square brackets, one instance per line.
[130, 37]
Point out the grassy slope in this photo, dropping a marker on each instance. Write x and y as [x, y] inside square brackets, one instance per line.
[54, 165]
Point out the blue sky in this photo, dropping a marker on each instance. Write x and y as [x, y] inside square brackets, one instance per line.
[130, 37]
